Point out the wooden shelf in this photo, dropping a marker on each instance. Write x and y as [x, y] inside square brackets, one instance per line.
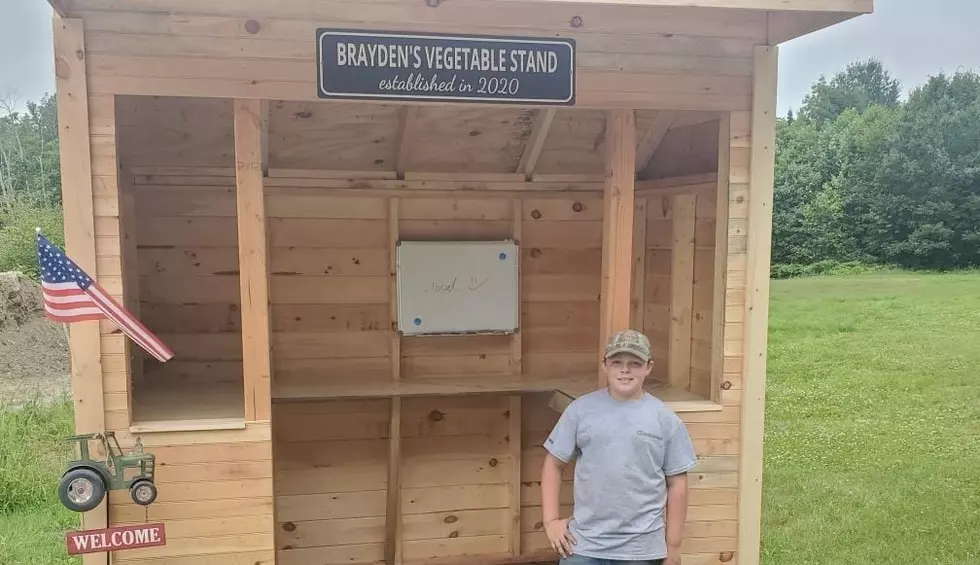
[567, 388]
[167, 406]
[333, 388]
[170, 406]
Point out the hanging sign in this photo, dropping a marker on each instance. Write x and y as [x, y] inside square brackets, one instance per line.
[115, 539]
[448, 68]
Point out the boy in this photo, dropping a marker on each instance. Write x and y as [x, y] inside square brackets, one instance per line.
[633, 455]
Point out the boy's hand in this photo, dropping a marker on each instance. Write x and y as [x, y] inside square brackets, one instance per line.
[673, 556]
[561, 540]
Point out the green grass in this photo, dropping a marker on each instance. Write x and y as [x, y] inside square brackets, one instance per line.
[872, 433]
[873, 421]
[32, 520]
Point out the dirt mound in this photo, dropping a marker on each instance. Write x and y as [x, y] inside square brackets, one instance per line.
[33, 349]
[20, 300]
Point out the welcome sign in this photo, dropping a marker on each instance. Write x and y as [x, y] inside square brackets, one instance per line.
[116, 539]
[441, 67]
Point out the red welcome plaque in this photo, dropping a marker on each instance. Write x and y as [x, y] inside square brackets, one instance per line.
[115, 539]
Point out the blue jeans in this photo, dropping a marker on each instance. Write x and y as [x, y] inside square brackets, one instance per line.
[582, 560]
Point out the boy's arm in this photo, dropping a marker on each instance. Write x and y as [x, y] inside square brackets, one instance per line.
[551, 488]
[554, 526]
[680, 458]
[676, 512]
[560, 447]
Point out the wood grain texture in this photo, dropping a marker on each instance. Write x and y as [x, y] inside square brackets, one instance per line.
[617, 240]
[639, 265]
[516, 416]
[682, 288]
[368, 481]
[652, 138]
[393, 519]
[253, 260]
[757, 305]
[678, 58]
[721, 260]
[537, 139]
[80, 234]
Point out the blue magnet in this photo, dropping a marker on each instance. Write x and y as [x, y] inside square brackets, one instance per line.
[502, 255]
[418, 321]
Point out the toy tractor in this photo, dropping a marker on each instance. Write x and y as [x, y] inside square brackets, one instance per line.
[83, 485]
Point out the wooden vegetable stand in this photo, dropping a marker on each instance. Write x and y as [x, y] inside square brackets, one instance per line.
[290, 193]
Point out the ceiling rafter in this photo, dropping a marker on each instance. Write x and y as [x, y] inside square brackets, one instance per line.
[647, 147]
[407, 123]
[60, 7]
[535, 141]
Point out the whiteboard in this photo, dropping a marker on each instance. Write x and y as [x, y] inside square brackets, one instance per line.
[447, 287]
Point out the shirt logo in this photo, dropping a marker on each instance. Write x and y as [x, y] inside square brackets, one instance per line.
[649, 435]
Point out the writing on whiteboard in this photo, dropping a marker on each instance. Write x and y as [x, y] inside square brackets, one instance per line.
[451, 286]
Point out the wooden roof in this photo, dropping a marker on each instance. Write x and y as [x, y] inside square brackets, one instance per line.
[785, 19]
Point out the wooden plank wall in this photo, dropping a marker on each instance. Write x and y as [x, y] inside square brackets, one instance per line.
[456, 461]
[185, 246]
[677, 58]
[330, 291]
[214, 494]
[215, 487]
[677, 291]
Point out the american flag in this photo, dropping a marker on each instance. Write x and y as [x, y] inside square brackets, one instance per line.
[70, 295]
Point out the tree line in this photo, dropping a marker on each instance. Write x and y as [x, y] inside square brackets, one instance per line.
[30, 181]
[863, 177]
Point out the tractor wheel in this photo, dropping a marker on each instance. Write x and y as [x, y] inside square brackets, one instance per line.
[81, 489]
[143, 492]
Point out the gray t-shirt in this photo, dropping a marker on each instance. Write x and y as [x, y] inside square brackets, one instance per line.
[624, 451]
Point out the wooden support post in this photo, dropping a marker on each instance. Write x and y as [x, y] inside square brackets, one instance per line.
[683, 210]
[639, 264]
[393, 531]
[617, 222]
[721, 259]
[515, 410]
[252, 260]
[393, 523]
[514, 438]
[131, 279]
[761, 180]
[79, 221]
[516, 347]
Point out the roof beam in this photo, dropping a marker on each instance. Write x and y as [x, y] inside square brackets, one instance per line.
[60, 7]
[784, 26]
[647, 148]
[535, 142]
[852, 6]
[403, 153]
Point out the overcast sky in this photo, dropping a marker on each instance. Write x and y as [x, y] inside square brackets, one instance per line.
[913, 40]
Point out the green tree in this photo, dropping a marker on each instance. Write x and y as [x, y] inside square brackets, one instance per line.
[29, 154]
[861, 85]
[930, 216]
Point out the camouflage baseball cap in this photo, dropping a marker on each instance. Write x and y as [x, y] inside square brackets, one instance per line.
[629, 341]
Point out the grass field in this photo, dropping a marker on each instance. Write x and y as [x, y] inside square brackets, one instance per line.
[32, 520]
[873, 421]
[872, 436]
